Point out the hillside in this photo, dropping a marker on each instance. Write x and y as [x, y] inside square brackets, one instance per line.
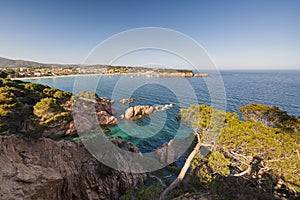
[28, 69]
[10, 63]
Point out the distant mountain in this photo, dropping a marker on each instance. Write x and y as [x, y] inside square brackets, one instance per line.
[5, 62]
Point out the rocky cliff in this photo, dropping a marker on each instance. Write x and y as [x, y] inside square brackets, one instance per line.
[48, 169]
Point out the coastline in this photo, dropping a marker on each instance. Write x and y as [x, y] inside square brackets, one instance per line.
[174, 75]
[56, 76]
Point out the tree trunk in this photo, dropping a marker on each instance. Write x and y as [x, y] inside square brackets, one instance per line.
[183, 171]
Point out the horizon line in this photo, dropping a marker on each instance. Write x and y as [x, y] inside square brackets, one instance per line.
[219, 67]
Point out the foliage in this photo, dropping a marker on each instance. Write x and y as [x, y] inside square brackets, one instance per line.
[31, 108]
[270, 116]
[60, 117]
[207, 167]
[50, 91]
[9, 107]
[10, 73]
[87, 95]
[267, 141]
[35, 87]
[46, 108]
[7, 101]
[56, 93]
[184, 70]
[3, 74]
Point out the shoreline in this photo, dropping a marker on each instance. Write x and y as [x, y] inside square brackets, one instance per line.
[56, 76]
[112, 74]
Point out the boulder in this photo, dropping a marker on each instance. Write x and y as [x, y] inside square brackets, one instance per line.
[129, 113]
[137, 112]
[88, 109]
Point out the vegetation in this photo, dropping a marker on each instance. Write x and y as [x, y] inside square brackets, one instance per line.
[29, 108]
[3, 74]
[86, 95]
[271, 116]
[46, 108]
[38, 71]
[258, 156]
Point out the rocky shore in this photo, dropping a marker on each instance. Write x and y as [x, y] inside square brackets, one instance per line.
[47, 169]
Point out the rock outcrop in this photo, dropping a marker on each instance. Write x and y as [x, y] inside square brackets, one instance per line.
[139, 111]
[88, 113]
[48, 169]
[128, 100]
[101, 106]
[168, 153]
[104, 111]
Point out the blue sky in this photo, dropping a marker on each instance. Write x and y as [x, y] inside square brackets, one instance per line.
[237, 34]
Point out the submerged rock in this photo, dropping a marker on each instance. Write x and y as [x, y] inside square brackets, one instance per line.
[128, 100]
[48, 169]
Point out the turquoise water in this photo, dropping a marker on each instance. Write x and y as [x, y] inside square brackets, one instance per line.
[278, 88]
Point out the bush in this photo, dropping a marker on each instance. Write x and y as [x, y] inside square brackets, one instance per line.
[50, 91]
[57, 119]
[46, 108]
[3, 74]
[7, 101]
[35, 87]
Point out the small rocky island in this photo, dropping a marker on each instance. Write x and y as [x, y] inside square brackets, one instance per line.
[139, 111]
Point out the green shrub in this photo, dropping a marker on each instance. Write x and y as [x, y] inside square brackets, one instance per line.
[50, 91]
[58, 119]
[3, 74]
[35, 87]
[46, 108]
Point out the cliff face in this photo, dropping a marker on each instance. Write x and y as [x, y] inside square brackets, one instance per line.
[48, 169]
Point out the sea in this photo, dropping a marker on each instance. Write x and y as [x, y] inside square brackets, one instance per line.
[228, 90]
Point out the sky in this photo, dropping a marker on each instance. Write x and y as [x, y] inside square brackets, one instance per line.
[247, 34]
